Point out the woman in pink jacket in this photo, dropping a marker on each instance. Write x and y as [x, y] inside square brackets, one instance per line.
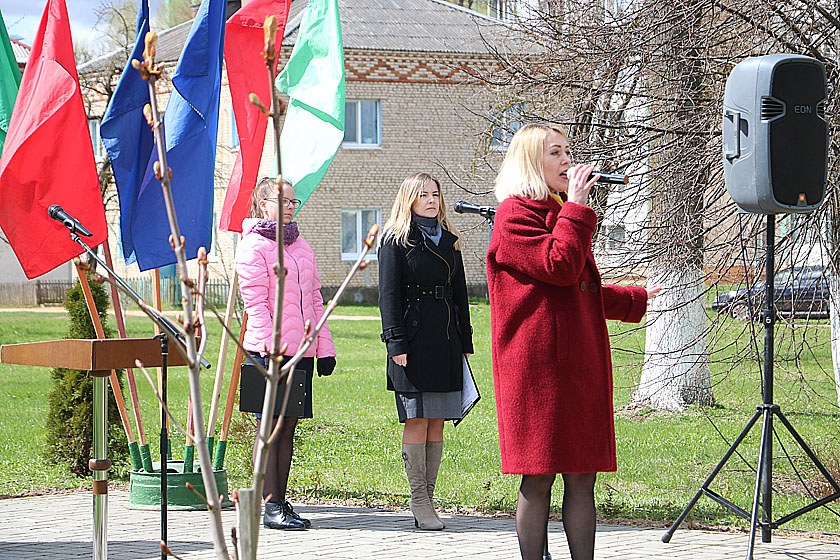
[256, 257]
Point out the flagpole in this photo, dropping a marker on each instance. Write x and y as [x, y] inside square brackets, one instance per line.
[115, 382]
[219, 460]
[221, 363]
[143, 450]
[189, 447]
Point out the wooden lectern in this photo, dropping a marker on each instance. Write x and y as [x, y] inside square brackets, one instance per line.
[95, 355]
[99, 357]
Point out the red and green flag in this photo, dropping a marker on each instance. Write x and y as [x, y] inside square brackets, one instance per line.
[9, 81]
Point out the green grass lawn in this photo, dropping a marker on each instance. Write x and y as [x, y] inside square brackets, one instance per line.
[351, 449]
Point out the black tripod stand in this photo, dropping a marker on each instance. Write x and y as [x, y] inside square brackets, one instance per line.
[767, 410]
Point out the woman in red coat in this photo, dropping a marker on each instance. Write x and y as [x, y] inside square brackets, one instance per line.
[552, 371]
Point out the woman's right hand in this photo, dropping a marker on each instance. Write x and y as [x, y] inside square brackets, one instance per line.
[400, 359]
[580, 183]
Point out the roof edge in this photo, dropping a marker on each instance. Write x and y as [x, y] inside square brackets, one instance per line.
[118, 51]
[293, 25]
[21, 43]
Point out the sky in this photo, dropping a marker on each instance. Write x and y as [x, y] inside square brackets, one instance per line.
[22, 18]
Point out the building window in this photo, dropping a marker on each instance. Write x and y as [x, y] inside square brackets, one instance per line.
[355, 225]
[616, 238]
[505, 125]
[98, 148]
[502, 9]
[362, 124]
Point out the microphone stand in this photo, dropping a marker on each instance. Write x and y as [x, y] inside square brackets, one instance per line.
[164, 446]
[486, 212]
[489, 214]
[166, 326]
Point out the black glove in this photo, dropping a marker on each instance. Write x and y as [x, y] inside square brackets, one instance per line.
[325, 366]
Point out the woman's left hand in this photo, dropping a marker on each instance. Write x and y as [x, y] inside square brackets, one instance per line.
[652, 291]
[467, 355]
[325, 366]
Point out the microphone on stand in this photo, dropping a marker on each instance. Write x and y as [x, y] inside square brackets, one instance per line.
[464, 207]
[58, 214]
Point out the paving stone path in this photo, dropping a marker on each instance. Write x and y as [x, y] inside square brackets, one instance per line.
[60, 527]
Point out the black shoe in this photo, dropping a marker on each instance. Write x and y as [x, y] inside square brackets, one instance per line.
[290, 511]
[277, 516]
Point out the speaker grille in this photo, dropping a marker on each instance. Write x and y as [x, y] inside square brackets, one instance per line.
[821, 109]
[771, 108]
[799, 140]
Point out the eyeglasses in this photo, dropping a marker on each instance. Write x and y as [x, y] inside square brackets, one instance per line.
[287, 201]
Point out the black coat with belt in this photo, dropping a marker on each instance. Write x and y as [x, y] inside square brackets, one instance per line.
[425, 313]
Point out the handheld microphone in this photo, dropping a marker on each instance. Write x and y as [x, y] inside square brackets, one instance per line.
[464, 207]
[57, 213]
[610, 178]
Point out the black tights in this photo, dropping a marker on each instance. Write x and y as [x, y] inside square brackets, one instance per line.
[279, 460]
[578, 514]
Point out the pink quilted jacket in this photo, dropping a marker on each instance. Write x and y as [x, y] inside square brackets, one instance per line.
[302, 301]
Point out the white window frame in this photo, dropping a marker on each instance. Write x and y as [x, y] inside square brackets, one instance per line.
[506, 122]
[213, 253]
[357, 145]
[96, 139]
[360, 235]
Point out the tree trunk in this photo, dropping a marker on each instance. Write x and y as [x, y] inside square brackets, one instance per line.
[676, 368]
[834, 294]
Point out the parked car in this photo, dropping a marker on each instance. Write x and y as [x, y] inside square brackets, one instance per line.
[799, 291]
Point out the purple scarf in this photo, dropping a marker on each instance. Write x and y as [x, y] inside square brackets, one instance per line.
[268, 229]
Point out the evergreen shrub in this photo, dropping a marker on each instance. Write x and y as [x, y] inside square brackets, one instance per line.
[69, 425]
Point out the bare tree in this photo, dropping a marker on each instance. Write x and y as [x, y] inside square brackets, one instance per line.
[639, 85]
[174, 12]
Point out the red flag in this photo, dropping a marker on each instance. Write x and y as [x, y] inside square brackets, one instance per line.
[48, 156]
[247, 73]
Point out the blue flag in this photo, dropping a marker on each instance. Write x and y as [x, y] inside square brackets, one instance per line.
[190, 124]
[127, 138]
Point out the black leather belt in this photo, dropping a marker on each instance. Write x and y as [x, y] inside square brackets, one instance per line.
[415, 291]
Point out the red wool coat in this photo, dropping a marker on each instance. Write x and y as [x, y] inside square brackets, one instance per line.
[552, 371]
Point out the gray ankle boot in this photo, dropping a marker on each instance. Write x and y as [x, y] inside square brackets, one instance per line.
[414, 458]
[434, 451]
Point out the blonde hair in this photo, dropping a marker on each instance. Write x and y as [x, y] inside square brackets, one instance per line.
[399, 222]
[266, 188]
[522, 172]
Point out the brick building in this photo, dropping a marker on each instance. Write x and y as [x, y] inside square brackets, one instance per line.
[412, 105]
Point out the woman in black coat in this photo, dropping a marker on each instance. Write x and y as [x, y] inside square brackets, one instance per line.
[426, 327]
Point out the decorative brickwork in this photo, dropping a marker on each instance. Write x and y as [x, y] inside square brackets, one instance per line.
[373, 66]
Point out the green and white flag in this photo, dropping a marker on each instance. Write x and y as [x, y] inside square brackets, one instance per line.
[9, 81]
[314, 80]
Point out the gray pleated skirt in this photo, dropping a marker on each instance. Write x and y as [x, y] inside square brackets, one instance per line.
[429, 405]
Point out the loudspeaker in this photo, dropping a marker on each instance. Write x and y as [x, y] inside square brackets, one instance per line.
[775, 136]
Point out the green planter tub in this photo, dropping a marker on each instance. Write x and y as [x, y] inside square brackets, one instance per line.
[144, 488]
